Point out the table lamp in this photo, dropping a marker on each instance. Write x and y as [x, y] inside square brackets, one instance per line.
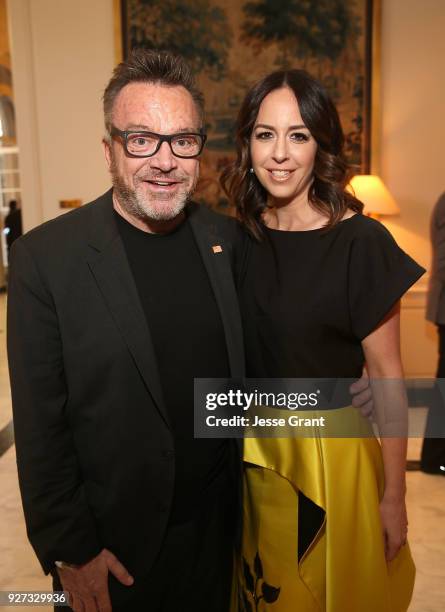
[370, 189]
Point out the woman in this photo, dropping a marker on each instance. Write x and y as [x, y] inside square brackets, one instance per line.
[325, 519]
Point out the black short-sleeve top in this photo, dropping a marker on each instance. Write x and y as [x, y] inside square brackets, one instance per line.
[308, 298]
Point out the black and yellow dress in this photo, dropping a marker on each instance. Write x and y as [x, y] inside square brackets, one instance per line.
[312, 536]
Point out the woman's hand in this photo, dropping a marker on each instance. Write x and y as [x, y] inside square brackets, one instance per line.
[395, 525]
[382, 353]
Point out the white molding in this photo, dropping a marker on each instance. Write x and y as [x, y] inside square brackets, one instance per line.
[25, 102]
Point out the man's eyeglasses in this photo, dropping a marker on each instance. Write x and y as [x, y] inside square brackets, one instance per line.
[146, 144]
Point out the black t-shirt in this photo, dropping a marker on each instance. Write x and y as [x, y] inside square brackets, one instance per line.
[188, 337]
[308, 298]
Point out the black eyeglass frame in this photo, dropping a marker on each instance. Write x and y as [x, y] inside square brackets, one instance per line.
[124, 134]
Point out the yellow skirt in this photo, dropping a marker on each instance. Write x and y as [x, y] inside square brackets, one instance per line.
[344, 569]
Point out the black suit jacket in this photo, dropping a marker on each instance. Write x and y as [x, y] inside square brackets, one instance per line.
[94, 444]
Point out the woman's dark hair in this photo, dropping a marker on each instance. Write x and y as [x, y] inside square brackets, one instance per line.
[327, 193]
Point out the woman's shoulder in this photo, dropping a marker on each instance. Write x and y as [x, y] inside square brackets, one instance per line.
[360, 223]
[360, 227]
[373, 244]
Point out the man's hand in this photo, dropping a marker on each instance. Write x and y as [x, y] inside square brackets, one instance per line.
[362, 395]
[87, 584]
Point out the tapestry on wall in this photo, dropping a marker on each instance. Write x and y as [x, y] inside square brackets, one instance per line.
[231, 44]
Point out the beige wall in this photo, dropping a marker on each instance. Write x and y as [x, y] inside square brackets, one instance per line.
[63, 54]
[412, 148]
[413, 106]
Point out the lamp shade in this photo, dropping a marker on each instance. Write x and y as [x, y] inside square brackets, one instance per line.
[371, 190]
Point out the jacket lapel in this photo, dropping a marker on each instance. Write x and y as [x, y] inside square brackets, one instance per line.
[215, 253]
[109, 266]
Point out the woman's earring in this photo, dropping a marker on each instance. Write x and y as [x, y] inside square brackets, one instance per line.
[251, 171]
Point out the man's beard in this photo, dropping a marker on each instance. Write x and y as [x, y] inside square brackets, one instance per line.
[153, 206]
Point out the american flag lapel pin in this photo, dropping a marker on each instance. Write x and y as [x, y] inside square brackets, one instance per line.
[217, 248]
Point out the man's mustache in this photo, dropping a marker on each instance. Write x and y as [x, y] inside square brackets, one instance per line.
[165, 176]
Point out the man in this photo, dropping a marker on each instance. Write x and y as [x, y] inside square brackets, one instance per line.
[433, 449]
[113, 310]
[13, 224]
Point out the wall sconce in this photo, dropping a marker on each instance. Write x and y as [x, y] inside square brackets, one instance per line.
[370, 189]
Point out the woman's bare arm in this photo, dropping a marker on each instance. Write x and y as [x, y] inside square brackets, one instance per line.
[382, 354]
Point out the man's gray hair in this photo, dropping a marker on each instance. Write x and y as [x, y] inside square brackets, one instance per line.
[150, 66]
